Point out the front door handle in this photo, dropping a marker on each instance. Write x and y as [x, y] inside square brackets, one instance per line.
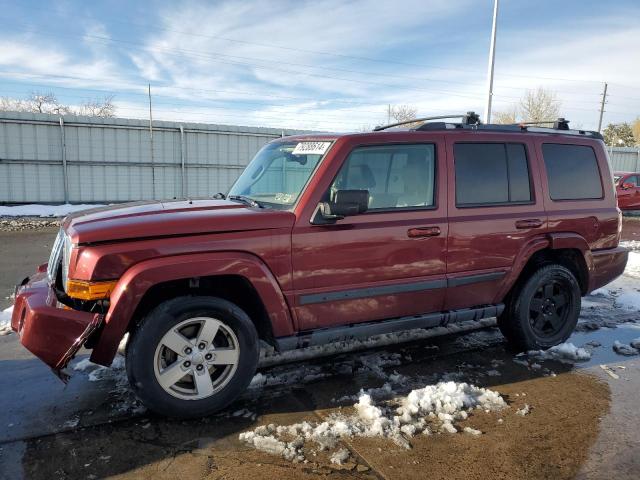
[529, 223]
[419, 232]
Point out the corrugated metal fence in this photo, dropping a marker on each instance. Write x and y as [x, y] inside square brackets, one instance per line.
[624, 159]
[51, 159]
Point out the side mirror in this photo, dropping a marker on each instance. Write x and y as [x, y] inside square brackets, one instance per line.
[346, 203]
[627, 186]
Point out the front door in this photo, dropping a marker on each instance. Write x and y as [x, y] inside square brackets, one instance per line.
[388, 262]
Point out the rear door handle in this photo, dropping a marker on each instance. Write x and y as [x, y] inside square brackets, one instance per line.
[529, 223]
[419, 232]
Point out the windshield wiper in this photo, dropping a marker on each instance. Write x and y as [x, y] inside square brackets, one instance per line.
[246, 200]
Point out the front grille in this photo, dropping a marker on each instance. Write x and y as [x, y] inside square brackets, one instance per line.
[55, 257]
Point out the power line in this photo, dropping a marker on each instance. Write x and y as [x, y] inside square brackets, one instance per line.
[337, 55]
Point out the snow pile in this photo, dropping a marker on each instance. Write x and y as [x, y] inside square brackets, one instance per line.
[36, 210]
[565, 352]
[627, 349]
[421, 411]
[98, 372]
[5, 321]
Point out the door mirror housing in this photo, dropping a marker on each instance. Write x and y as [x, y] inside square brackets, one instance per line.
[346, 203]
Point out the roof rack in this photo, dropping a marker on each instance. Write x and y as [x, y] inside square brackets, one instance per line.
[469, 118]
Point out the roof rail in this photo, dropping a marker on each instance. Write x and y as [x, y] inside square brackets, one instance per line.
[469, 118]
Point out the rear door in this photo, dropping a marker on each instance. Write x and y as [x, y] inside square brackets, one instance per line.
[385, 263]
[495, 209]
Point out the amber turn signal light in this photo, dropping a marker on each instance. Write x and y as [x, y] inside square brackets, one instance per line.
[90, 290]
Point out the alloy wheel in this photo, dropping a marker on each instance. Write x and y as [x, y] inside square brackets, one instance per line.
[196, 358]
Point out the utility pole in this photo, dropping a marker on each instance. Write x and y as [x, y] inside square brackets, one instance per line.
[604, 100]
[492, 58]
[153, 170]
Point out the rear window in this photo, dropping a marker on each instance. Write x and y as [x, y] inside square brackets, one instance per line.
[572, 172]
[491, 173]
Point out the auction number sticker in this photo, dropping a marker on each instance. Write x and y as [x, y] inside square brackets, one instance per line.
[311, 148]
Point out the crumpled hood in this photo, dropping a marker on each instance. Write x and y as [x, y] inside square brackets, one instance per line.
[144, 220]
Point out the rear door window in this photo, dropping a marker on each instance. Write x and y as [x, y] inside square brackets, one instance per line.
[572, 172]
[491, 174]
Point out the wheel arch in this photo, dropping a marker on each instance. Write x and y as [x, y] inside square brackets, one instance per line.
[134, 293]
[567, 249]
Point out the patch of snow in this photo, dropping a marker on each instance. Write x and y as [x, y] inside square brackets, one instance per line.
[433, 406]
[5, 321]
[472, 431]
[565, 352]
[71, 423]
[625, 349]
[526, 410]
[36, 210]
[340, 456]
[631, 244]
[629, 299]
[633, 265]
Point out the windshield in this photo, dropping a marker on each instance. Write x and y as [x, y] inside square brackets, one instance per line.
[279, 172]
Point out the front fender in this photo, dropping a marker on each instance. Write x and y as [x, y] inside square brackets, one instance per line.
[136, 281]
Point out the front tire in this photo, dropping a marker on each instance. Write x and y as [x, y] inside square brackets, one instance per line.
[543, 310]
[192, 356]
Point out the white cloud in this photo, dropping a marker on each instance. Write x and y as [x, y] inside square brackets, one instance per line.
[198, 74]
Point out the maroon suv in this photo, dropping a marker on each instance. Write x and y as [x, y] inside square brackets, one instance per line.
[332, 237]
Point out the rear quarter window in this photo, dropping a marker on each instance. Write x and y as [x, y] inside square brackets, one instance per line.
[572, 172]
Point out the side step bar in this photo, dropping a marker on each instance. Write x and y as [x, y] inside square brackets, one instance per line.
[371, 329]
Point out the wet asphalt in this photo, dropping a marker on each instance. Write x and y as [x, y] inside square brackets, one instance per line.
[97, 429]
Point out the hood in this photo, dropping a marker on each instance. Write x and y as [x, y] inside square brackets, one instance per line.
[144, 220]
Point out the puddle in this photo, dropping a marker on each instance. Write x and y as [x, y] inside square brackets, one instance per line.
[604, 353]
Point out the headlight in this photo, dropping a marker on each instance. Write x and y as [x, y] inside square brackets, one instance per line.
[54, 258]
[66, 258]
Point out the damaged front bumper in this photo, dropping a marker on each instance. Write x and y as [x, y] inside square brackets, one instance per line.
[52, 332]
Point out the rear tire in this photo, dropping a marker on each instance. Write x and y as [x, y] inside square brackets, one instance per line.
[192, 356]
[543, 310]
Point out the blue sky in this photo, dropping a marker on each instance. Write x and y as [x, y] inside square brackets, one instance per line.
[325, 64]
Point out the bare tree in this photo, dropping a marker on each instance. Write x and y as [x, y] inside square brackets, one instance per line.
[402, 113]
[98, 108]
[539, 105]
[47, 102]
[506, 117]
[535, 106]
[635, 128]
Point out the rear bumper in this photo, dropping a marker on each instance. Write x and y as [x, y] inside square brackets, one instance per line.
[52, 333]
[607, 265]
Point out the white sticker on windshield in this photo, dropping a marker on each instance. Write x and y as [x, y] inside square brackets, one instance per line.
[311, 148]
